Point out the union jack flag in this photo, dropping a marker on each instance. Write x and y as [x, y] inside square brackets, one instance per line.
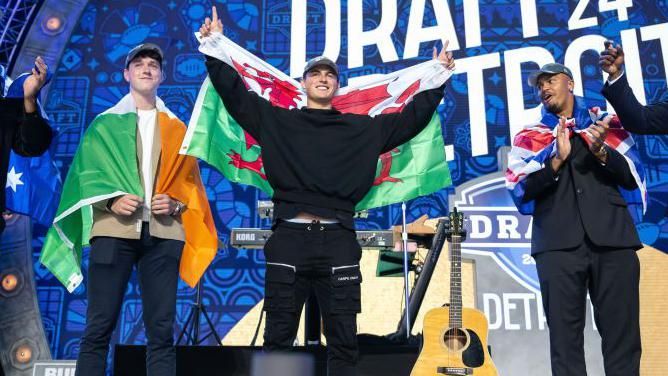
[536, 144]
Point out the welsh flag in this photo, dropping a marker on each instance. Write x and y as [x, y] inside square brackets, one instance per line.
[414, 169]
[105, 166]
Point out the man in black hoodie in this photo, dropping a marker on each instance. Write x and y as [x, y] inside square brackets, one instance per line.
[22, 129]
[320, 163]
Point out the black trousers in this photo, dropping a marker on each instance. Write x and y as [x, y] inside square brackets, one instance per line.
[111, 263]
[612, 277]
[323, 259]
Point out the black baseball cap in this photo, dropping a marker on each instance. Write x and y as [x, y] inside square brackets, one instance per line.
[145, 47]
[549, 69]
[320, 60]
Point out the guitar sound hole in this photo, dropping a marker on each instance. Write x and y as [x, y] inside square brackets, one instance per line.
[455, 339]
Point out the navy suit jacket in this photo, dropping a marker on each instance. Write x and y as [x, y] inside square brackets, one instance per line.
[583, 199]
[636, 118]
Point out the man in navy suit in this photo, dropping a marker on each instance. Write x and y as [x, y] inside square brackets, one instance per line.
[651, 119]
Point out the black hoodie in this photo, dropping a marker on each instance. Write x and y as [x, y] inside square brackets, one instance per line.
[321, 162]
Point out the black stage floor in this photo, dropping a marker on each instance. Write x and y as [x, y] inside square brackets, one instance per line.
[385, 360]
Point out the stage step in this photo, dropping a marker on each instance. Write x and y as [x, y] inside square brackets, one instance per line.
[236, 360]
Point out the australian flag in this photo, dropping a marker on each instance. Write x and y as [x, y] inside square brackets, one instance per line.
[33, 184]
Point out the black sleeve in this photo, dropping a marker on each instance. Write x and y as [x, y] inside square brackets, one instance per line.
[618, 169]
[33, 136]
[400, 127]
[651, 119]
[540, 181]
[246, 107]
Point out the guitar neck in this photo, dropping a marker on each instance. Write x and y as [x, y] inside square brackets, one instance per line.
[456, 282]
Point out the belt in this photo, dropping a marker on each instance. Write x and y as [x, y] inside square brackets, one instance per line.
[310, 226]
[306, 220]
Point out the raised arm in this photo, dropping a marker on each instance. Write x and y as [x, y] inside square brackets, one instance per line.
[651, 119]
[33, 134]
[246, 107]
[398, 128]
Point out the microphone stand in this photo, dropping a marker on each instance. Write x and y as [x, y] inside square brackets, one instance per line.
[404, 239]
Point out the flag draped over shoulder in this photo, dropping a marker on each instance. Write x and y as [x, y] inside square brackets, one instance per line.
[413, 169]
[33, 183]
[34, 186]
[536, 144]
[105, 166]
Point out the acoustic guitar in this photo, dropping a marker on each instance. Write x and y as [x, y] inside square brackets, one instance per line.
[455, 338]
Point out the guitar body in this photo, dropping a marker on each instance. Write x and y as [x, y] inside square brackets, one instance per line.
[454, 351]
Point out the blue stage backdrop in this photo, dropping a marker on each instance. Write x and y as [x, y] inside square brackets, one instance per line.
[497, 43]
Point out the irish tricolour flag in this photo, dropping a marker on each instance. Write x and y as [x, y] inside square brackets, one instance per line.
[414, 169]
[105, 166]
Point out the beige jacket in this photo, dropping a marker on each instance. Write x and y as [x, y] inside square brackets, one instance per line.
[106, 223]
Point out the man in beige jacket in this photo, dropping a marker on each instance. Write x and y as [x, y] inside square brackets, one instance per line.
[129, 231]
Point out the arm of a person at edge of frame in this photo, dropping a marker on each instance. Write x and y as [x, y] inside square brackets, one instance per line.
[33, 135]
[650, 119]
[246, 107]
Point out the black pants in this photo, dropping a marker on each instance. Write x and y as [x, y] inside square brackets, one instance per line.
[323, 259]
[111, 263]
[612, 277]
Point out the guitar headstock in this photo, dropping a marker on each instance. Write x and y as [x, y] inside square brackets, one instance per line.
[454, 224]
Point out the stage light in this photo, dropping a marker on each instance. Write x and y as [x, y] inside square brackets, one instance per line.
[53, 24]
[23, 354]
[9, 282]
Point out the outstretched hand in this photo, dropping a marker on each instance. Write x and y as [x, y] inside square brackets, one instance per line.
[445, 57]
[211, 25]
